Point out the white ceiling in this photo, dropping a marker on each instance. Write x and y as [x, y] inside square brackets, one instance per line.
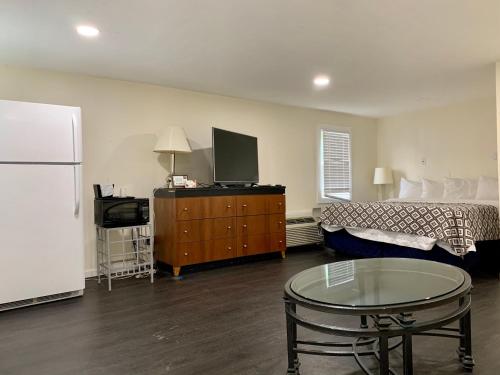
[384, 56]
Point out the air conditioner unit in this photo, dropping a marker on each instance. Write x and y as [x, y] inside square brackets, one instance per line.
[302, 231]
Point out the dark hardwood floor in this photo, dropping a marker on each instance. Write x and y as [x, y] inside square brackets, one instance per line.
[225, 320]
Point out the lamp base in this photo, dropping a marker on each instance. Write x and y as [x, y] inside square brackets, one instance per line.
[380, 192]
[170, 177]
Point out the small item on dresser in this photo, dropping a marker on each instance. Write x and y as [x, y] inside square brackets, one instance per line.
[191, 184]
[103, 190]
[179, 181]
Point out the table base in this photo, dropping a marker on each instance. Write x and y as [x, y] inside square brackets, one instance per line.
[375, 341]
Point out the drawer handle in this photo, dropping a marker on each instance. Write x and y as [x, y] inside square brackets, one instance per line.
[280, 222]
[229, 248]
[228, 206]
[243, 205]
[185, 230]
[245, 246]
[229, 227]
[244, 225]
[185, 209]
[280, 241]
[280, 203]
[186, 254]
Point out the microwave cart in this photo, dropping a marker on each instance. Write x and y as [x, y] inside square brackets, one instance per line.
[124, 238]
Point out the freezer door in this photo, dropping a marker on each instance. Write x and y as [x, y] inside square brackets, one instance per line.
[40, 133]
[41, 231]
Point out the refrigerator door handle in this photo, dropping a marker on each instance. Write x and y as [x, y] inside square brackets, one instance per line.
[74, 124]
[77, 181]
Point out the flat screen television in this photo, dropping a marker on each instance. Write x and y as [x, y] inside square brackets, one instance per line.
[235, 158]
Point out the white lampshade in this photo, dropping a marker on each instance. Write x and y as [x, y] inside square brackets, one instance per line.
[383, 176]
[173, 139]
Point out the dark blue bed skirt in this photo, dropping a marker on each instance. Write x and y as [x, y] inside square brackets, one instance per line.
[486, 258]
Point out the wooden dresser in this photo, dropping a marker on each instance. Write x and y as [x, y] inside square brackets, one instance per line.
[207, 224]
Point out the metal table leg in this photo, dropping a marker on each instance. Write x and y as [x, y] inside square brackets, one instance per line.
[461, 346]
[383, 345]
[467, 360]
[291, 337]
[407, 355]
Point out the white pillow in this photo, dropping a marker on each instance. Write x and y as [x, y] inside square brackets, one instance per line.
[432, 189]
[410, 189]
[460, 188]
[487, 188]
[473, 183]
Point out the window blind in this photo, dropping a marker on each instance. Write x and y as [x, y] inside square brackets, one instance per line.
[336, 164]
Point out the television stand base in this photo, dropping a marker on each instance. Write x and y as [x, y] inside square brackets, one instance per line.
[201, 225]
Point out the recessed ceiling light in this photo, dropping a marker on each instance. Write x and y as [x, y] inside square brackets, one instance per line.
[87, 31]
[321, 81]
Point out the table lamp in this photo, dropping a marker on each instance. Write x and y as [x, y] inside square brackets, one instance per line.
[382, 176]
[173, 140]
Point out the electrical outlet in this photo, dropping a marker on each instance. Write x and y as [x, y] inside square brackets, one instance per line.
[423, 161]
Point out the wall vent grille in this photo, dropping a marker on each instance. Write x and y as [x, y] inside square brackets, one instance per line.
[38, 300]
[302, 231]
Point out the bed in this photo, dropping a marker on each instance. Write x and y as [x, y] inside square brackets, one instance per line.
[465, 233]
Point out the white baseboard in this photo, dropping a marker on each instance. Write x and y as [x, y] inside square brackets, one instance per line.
[90, 273]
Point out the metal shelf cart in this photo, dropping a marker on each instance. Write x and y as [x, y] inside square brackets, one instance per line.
[124, 251]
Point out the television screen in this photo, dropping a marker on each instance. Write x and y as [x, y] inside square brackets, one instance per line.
[235, 157]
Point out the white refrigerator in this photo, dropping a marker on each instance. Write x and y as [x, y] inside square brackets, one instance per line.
[41, 221]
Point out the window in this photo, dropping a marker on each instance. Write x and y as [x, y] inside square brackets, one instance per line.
[335, 172]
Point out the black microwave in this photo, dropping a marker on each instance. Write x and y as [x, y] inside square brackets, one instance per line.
[115, 212]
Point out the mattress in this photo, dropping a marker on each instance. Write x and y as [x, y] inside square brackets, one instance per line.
[454, 225]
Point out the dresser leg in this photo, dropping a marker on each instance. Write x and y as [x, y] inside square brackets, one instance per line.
[283, 254]
[177, 271]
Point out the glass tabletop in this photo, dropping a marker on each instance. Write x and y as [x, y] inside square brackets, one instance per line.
[377, 282]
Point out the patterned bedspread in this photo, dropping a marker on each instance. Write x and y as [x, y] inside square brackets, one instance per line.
[458, 224]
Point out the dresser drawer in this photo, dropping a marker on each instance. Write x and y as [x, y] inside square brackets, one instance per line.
[251, 205]
[277, 204]
[223, 248]
[250, 225]
[278, 242]
[188, 231]
[255, 244]
[222, 206]
[277, 223]
[191, 208]
[223, 228]
[190, 253]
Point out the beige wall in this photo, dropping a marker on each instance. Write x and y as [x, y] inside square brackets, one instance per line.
[121, 121]
[456, 141]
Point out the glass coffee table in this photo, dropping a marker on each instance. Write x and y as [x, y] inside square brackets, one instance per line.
[389, 295]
